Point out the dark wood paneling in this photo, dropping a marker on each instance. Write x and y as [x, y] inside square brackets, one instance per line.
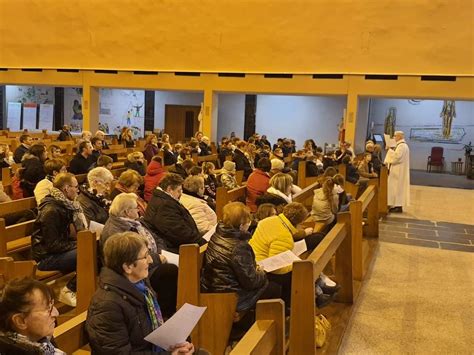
[250, 115]
[58, 121]
[150, 111]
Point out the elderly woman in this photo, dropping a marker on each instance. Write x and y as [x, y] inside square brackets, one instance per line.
[228, 175]
[193, 199]
[280, 192]
[123, 217]
[130, 181]
[124, 309]
[275, 235]
[151, 147]
[27, 318]
[136, 161]
[94, 199]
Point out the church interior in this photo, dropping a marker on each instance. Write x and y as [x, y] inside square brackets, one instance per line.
[342, 73]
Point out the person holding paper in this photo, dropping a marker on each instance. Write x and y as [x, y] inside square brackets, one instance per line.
[229, 262]
[398, 161]
[124, 310]
[275, 235]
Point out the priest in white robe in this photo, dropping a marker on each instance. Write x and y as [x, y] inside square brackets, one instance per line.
[398, 162]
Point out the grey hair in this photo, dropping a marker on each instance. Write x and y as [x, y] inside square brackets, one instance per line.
[122, 202]
[99, 175]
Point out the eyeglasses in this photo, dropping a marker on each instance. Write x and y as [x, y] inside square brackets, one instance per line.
[49, 310]
[147, 254]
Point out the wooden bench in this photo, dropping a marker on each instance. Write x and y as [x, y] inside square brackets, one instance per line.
[10, 269]
[15, 206]
[304, 180]
[303, 310]
[213, 330]
[349, 187]
[224, 196]
[267, 334]
[71, 336]
[214, 158]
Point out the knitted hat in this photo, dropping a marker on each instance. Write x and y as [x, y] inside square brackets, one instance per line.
[229, 165]
[277, 164]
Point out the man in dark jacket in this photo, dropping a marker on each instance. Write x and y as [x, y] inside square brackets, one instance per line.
[83, 160]
[26, 142]
[53, 241]
[65, 134]
[241, 161]
[168, 218]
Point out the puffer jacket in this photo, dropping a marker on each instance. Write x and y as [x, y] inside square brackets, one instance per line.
[51, 234]
[324, 209]
[257, 184]
[274, 235]
[171, 221]
[154, 174]
[202, 214]
[95, 208]
[229, 266]
[117, 320]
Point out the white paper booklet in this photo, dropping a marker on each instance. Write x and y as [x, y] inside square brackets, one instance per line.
[278, 261]
[96, 227]
[172, 258]
[300, 247]
[176, 329]
[389, 142]
[209, 234]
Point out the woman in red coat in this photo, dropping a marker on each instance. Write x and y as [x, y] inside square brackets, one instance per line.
[154, 174]
[258, 182]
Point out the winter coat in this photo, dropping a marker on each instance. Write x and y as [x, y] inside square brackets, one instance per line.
[210, 186]
[31, 173]
[324, 209]
[228, 181]
[257, 184]
[169, 158]
[65, 136]
[178, 169]
[51, 233]
[274, 235]
[351, 174]
[229, 266]
[117, 319]
[80, 165]
[138, 167]
[242, 163]
[150, 151]
[19, 152]
[154, 174]
[205, 149]
[95, 208]
[171, 221]
[202, 214]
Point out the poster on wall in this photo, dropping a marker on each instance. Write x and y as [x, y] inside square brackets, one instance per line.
[73, 108]
[122, 108]
[29, 115]
[46, 113]
[14, 116]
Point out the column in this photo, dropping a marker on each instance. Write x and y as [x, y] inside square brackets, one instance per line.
[90, 108]
[351, 117]
[209, 120]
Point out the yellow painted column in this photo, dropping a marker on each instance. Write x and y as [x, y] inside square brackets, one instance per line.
[90, 108]
[209, 121]
[351, 117]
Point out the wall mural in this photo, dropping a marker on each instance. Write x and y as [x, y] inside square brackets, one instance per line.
[437, 135]
[73, 108]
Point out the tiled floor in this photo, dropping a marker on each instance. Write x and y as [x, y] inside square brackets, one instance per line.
[418, 297]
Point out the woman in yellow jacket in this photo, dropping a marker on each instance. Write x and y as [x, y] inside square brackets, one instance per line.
[274, 235]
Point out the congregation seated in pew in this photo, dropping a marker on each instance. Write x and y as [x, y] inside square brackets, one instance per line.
[227, 176]
[52, 167]
[280, 192]
[154, 173]
[258, 183]
[83, 160]
[130, 181]
[136, 161]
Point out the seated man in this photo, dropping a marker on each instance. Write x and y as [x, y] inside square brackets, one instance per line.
[26, 142]
[97, 148]
[168, 218]
[53, 241]
[83, 160]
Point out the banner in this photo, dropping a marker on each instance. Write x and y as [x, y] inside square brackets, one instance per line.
[14, 116]
[29, 116]
[46, 115]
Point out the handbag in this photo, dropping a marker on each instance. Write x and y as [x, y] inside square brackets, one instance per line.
[322, 327]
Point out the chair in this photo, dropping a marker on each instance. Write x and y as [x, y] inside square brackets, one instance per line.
[435, 159]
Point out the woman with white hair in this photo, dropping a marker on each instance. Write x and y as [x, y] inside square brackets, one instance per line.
[94, 199]
[136, 161]
[193, 199]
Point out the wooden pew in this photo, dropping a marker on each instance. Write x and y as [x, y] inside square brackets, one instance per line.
[349, 187]
[306, 197]
[10, 269]
[363, 249]
[71, 336]
[267, 334]
[15, 206]
[383, 191]
[87, 269]
[303, 310]
[224, 196]
[213, 330]
[214, 158]
[303, 180]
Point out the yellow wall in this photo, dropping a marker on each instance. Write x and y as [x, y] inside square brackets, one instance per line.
[260, 36]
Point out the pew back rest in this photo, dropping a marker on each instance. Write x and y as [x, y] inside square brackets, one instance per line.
[17, 206]
[10, 269]
[16, 237]
[71, 335]
[224, 196]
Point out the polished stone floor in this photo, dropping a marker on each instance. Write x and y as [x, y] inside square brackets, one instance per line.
[419, 299]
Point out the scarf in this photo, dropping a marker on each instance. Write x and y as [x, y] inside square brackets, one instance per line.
[79, 220]
[44, 345]
[137, 226]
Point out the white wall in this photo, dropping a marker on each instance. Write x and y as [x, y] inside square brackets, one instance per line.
[163, 98]
[425, 114]
[231, 115]
[300, 117]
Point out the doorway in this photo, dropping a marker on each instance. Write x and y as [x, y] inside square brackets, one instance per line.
[181, 121]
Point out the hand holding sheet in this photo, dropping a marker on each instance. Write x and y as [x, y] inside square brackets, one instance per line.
[278, 261]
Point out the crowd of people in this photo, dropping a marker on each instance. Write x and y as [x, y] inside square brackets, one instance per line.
[164, 200]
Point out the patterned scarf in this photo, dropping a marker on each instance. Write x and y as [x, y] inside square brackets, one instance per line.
[79, 220]
[43, 345]
[137, 226]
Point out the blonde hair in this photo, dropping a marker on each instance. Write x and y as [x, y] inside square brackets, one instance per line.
[282, 182]
[135, 156]
[130, 177]
[193, 183]
[235, 214]
[121, 203]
